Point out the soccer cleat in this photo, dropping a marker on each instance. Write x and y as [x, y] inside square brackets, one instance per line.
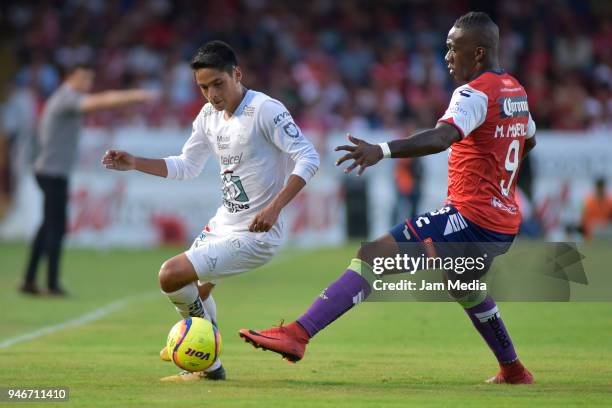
[163, 354]
[29, 288]
[215, 375]
[56, 292]
[514, 373]
[289, 341]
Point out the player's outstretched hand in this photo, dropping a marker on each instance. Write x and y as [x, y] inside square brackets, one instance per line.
[362, 153]
[118, 160]
[265, 219]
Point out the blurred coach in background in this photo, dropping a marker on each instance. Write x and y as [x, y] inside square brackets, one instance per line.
[59, 131]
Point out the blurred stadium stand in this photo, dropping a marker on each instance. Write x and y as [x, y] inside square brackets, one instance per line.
[336, 64]
[368, 67]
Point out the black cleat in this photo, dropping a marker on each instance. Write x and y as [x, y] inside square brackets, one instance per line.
[215, 375]
[58, 292]
[29, 288]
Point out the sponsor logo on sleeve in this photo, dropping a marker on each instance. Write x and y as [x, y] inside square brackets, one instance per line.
[281, 116]
[456, 109]
[292, 130]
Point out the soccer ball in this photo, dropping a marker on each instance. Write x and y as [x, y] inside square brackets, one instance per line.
[194, 344]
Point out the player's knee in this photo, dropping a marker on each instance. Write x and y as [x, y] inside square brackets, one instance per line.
[365, 253]
[167, 277]
[457, 295]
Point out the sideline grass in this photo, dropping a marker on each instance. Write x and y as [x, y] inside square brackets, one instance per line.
[382, 354]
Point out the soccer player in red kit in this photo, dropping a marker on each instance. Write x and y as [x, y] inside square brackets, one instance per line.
[487, 129]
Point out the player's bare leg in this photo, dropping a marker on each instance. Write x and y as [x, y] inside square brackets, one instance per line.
[349, 290]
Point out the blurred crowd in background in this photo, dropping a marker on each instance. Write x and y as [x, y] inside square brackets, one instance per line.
[338, 65]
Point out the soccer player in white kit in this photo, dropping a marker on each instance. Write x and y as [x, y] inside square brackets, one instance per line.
[254, 139]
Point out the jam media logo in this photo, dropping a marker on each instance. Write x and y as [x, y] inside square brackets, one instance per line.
[513, 106]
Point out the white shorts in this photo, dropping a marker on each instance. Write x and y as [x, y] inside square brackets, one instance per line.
[216, 257]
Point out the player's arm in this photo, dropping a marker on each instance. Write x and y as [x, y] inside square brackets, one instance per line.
[123, 161]
[429, 141]
[267, 217]
[185, 166]
[287, 137]
[115, 99]
[529, 145]
[530, 141]
[466, 111]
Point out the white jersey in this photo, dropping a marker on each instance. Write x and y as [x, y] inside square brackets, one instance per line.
[254, 148]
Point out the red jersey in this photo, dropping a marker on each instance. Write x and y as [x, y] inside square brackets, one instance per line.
[492, 115]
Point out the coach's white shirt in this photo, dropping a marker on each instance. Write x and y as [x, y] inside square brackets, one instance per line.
[254, 148]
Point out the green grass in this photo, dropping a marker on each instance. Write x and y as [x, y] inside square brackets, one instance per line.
[380, 354]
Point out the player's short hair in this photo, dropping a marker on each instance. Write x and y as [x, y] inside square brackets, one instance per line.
[473, 19]
[488, 32]
[70, 69]
[217, 55]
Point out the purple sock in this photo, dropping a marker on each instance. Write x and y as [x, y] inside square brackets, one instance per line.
[350, 289]
[488, 322]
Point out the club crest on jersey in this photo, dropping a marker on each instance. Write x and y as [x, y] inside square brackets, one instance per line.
[235, 198]
[291, 130]
[513, 106]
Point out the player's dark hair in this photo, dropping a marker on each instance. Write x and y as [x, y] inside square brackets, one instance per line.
[474, 19]
[215, 54]
[486, 30]
[70, 69]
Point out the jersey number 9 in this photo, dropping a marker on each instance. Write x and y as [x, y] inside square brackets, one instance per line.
[512, 165]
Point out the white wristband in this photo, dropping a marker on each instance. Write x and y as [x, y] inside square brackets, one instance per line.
[385, 149]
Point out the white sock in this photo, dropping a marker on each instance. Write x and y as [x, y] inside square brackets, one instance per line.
[187, 301]
[213, 367]
[210, 308]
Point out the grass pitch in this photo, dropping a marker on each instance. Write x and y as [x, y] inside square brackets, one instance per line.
[380, 354]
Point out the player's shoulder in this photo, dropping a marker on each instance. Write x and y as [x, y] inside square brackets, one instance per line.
[468, 91]
[206, 111]
[495, 82]
[262, 101]
[268, 108]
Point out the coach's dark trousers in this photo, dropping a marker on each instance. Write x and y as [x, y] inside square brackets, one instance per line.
[48, 240]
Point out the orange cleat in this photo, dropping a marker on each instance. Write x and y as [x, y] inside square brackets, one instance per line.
[289, 341]
[514, 373]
